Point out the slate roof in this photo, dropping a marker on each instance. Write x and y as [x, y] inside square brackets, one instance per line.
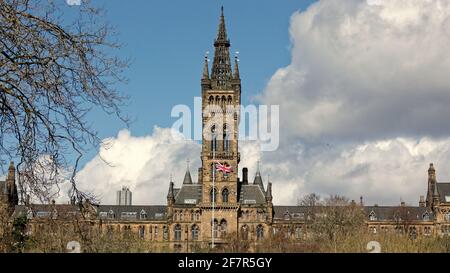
[188, 193]
[41, 211]
[119, 212]
[393, 213]
[123, 212]
[251, 195]
[443, 190]
[383, 213]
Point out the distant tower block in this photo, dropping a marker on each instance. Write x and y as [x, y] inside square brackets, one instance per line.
[124, 197]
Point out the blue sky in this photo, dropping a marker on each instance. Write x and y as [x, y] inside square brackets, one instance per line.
[362, 87]
[167, 40]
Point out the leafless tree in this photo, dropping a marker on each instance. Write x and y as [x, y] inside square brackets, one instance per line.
[53, 71]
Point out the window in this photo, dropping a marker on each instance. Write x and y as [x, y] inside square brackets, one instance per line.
[413, 232]
[447, 216]
[427, 231]
[374, 230]
[55, 214]
[143, 215]
[29, 214]
[223, 228]
[103, 215]
[213, 195]
[298, 233]
[177, 230]
[213, 139]
[372, 216]
[195, 232]
[426, 216]
[142, 232]
[244, 232]
[287, 216]
[128, 215]
[226, 139]
[156, 232]
[43, 214]
[225, 195]
[259, 232]
[111, 214]
[165, 233]
[215, 227]
[197, 216]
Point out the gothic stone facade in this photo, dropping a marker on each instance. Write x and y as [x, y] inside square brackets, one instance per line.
[241, 208]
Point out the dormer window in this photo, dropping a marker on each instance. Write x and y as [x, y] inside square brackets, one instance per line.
[55, 214]
[287, 215]
[29, 214]
[143, 215]
[111, 214]
[373, 216]
[426, 216]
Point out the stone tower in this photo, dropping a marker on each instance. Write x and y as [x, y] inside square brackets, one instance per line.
[221, 99]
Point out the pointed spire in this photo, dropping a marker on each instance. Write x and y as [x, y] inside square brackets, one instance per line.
[222, 37]
[269, 196]
[206, 69]
[187, 177]
[221, 74]
[236, 75]
[258, 179]
[171, 194]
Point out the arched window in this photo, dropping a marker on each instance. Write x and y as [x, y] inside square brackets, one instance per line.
[223, 228]
[177, 234]
[225, 194]
[195, 231]
[215, 227]
[165, 233]
[213, 139]
[213, 195]
[142, 232]
[226, 139]
[298, 233]
[211, 100]
[244, 232]
[259, 232]
[426, 216]
[230, 100]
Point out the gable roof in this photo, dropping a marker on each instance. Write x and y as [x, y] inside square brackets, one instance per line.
[251, 195]
[188, 193]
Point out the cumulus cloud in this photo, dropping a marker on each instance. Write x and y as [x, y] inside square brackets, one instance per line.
[144, 164]
[365, 70]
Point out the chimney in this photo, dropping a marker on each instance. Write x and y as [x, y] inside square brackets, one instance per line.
[422, 202]
[245, 176]
[361, 201]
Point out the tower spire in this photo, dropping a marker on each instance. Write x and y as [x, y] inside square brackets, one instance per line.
[236, 75]
[187, 177]
[206, 69]
[221, 74]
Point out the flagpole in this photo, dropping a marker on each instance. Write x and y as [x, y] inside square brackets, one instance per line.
[213, 194]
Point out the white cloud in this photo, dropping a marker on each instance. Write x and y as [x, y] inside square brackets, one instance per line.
[362, 70]
[144, 164]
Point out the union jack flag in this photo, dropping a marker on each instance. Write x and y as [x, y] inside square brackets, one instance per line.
[223, 168]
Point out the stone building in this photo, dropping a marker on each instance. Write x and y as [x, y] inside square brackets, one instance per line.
[225, 204]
